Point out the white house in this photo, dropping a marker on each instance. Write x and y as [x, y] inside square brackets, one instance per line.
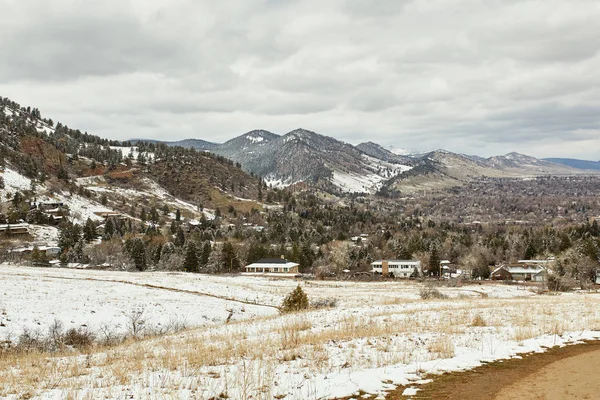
[272, 265]
[396, 268]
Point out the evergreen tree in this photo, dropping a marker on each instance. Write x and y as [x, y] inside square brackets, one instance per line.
[68, 235]
[434, 261]
[89, 230]
[190, 262]
[205, 255]
[137, 251]
[178, 215]
[228, 260]
[179, 237]
[297, 300]
[109, 229]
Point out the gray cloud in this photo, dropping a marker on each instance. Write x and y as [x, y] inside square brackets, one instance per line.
[475, 76]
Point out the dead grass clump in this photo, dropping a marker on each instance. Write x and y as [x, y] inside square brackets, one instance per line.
[524, 333]
[329, 302]
[478, 321]
[442, 347]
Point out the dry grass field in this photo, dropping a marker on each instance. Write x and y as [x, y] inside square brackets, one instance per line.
[379, 336]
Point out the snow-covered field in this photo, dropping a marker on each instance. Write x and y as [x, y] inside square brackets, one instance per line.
[380, 334]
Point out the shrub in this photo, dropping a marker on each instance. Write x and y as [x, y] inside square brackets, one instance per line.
[78, 338]
[431, 293]
[560, 283]
[478, 321]
[295, 301]
[329, 302]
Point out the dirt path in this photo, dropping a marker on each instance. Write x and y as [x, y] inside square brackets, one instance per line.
[576, 377]
[570, 372]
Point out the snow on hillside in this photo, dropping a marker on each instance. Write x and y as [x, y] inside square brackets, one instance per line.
[255, 139]
[133, 151]
[44, 235]
[40, 126]
[81, 208]
[368, 183]
[13, 182]
[149, 189]
[399, 151]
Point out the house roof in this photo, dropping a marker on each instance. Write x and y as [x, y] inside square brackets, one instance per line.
[272, 261]
[284, 264]
[395, 261]
[520, 269]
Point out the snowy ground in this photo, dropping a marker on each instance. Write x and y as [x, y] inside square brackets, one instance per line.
[379, 336]
[150, 190]
[81, 208]
[13, 182]
[29, 298]
[369, 183]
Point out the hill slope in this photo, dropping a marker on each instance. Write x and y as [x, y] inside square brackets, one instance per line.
[441, 169]
[574, 163]
[54, 155]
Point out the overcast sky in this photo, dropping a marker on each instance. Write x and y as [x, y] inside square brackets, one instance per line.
[480, 77]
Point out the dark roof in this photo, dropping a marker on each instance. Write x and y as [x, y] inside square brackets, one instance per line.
[272, 261]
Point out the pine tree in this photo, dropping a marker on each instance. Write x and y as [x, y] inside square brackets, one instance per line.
[205, 255]
[434, 261]
[179, 237]
[109, 229]
[154, 217]
[178, 215]
[137, 251]
[190, 262]
[89, 230]
[297, 300]
[229, 261]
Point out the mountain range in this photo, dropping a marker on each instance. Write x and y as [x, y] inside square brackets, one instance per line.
[305, 156]
[37, 144]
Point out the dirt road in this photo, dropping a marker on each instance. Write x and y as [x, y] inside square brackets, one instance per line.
[576, 377]
[565, 373]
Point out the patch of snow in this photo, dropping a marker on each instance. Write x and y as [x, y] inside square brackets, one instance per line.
[255, 139]
[44, 234]
[13, 182]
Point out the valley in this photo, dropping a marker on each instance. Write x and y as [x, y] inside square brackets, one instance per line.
[123, 264]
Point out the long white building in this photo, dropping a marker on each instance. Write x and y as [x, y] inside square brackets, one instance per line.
[396, 268]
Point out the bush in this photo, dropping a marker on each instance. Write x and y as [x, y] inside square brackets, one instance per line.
[295, 301]
[78, 338]
[431, 293]
[560, 283]
[329, 302]
[478, 321]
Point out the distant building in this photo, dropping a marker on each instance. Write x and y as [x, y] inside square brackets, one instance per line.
[520, 272]
[396, 268]
[273, 265]
[14, 229]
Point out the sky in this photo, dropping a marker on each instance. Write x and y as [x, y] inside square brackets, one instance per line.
[481, 77]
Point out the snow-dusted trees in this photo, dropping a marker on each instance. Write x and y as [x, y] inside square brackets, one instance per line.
[136, 249]
[190, 261]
